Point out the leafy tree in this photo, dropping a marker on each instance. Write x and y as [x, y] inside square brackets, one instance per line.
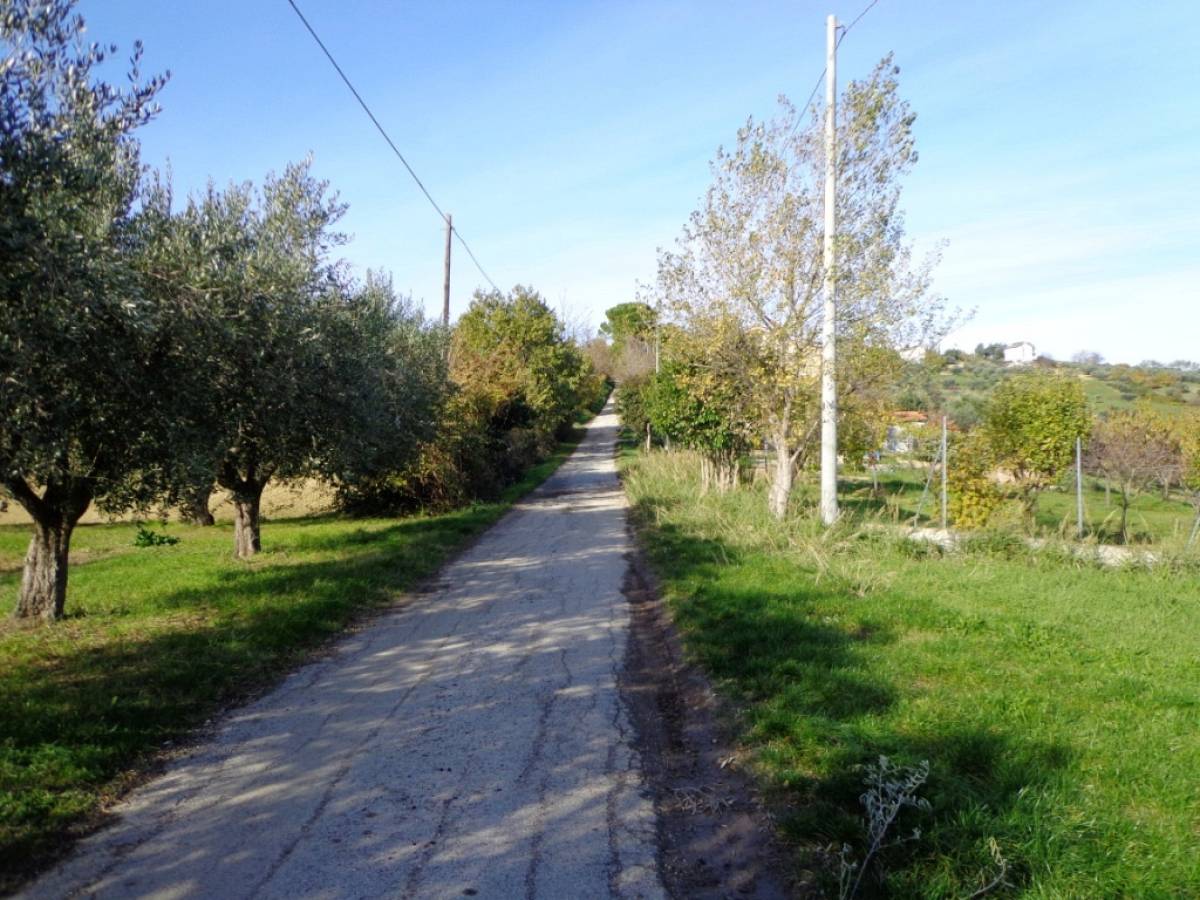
[392, 371]
[994, 352]
[81, 362]
[1187, 433]
[599, 355]
[699, 400]
[1132, 449]
[296, 372]
[752, 255]
[1088, 358]
[541, 372]
[632, 398]
[1031, 423]
[516, 381]
[628, 320]
[632, 329]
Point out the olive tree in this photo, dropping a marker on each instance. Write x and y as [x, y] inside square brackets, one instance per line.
[392, 389]
[81, 356]
[752, 254]
[296, 372]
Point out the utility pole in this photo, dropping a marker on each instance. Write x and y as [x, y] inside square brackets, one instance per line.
[829, 502]
[446, 280]
[657, 337]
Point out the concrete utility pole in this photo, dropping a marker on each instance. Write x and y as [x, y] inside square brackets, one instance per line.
[829, 502]
[446, 281]
[657, 338]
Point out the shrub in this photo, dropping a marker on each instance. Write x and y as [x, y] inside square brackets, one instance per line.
[145, 537]
[973, 495]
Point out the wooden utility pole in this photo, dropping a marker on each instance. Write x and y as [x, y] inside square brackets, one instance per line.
[446, 280]
[829, 502]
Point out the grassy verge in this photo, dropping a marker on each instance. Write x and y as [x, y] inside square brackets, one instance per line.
[161, 638]
[1152, 519]
[1058, 704]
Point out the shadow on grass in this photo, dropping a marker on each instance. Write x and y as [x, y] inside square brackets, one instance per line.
[810, 674]
[80, 710]
[84, 705]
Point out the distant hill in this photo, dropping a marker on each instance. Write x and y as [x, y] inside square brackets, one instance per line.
[959, 384]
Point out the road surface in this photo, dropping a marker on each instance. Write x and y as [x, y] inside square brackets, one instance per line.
[470, 743]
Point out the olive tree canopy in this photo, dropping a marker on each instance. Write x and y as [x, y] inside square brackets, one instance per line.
[79, 339]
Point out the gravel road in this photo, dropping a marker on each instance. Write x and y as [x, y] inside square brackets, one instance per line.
[470, 743]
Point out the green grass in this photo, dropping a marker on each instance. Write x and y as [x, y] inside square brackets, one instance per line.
[1152, 519]
[1058, 704]
[158, 640]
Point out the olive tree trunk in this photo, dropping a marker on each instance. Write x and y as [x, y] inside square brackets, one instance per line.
[43, 592]
[195, 509]
[247, 537]
[245, 488]
[44, 582]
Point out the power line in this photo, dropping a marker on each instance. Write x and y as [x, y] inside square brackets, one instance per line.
[866, 10]
[390, 142]
[816, 87]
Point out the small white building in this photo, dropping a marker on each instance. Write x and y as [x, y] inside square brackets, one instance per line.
[1021, 353]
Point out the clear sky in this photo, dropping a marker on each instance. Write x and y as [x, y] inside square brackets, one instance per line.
[1059, 141]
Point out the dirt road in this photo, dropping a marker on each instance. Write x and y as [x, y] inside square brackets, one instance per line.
[471, 743]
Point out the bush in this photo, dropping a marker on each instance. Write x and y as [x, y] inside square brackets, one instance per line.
[631, 404]
[145, 537]
[973, 495]
[519, 387]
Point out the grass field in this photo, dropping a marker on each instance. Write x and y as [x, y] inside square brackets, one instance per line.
[1058, 704]
[1152, 520]
[159, 639]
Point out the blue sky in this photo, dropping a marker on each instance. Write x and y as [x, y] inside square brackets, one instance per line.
[1059, 142]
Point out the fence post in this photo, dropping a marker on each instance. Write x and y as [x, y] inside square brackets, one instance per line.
[1079, 486]
[945, 488]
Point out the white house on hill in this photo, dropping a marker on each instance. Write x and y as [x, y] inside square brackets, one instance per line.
[1021, 353]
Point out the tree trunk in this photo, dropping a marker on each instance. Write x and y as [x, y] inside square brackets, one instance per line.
[1125, 501]
[1029, 499]
[195, 508]
[44, 582]
[781, 485]
[245, 490]
[247, 540]
[55, 514]
[723, 472]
